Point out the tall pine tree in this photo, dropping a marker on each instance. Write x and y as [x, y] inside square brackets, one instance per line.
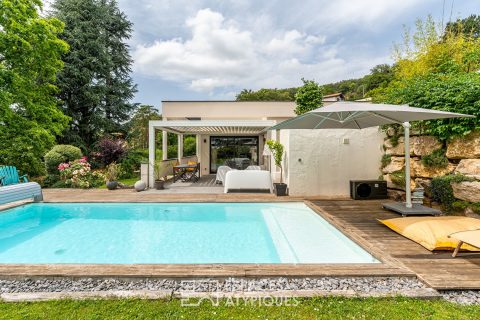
[95, 84]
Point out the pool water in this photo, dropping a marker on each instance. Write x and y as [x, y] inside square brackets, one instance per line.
[178, 233]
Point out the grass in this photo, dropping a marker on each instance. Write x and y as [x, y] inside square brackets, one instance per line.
[316, 308]
[128, 182]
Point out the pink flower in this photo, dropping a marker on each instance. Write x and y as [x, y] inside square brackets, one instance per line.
[83, 159]
[63, 166]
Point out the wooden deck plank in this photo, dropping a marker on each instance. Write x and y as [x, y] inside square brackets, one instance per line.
[439, 270]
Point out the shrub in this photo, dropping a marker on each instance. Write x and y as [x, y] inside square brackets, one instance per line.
[61, 153]
[131, 163]
[442, 191]
[462, 205]
[436, 159]
[78, 174]
[50, 180]
[112, 172]
[110, 150]
[398, 177]
[386, 159]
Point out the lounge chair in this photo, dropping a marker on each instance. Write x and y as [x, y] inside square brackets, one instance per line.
[248, 180]
[21, 191]
[471, 237]
[9, 175]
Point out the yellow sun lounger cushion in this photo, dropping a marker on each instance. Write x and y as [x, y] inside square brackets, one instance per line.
[433, 232]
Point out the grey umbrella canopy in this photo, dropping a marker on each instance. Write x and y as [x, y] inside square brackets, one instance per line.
[359, 115]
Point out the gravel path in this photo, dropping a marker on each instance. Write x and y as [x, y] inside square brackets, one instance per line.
[359, 285]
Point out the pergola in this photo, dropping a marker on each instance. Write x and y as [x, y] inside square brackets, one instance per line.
[198, 127]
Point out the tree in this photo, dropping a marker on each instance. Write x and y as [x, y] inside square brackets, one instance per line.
[138, 126]
[469, 26]
[95, 85]
[30, 53]
[267, 95]
[437, 72]
[308, 97]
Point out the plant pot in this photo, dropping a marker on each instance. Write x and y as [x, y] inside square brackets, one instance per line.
[112, 185]
[159, 184]
[280, 189]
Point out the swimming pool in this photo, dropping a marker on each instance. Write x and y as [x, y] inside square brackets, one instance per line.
[173, 233]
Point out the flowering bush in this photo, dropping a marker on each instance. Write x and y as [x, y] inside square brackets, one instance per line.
[78, 174]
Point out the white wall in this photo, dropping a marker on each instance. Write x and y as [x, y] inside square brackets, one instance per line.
[327, 165]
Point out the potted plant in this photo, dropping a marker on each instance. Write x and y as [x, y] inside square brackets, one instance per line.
[277, 150]
[111, 176]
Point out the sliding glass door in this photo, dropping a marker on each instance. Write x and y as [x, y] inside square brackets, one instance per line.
[235, 152]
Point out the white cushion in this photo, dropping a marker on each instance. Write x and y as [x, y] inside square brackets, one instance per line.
[248, 180]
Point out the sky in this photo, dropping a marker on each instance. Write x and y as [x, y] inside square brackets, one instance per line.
[211, 50]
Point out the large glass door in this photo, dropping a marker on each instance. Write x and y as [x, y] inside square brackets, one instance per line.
[235, 152]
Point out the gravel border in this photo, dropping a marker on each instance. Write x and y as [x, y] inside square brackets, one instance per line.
[465, 297]
[361, 285]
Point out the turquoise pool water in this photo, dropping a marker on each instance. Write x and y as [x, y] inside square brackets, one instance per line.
[125, 233]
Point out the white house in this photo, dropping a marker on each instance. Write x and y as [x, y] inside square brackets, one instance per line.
[316, 162]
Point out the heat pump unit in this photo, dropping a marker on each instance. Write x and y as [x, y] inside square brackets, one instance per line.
[368, 189]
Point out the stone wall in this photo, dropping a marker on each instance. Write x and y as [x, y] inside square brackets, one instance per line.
[463, 155]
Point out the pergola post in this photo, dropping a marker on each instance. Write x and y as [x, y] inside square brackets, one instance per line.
[164, 145]
[180, 147]
[151, 155]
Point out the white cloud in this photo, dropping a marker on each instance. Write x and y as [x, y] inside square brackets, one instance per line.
[218, 54]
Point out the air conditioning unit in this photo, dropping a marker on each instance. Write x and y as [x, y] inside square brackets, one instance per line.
[368, 189]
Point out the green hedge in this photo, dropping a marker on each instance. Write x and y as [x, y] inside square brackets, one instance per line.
[59, 154]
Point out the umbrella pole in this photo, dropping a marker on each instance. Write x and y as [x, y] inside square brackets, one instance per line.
[408, 192]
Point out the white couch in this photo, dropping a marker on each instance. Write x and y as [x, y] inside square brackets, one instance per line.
[248, 180]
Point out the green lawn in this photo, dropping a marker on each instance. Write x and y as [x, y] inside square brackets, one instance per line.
[318, 308]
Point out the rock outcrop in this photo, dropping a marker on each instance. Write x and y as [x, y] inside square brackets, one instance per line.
[425, 145]
[467, 147]
[469, 167]
[467, 191]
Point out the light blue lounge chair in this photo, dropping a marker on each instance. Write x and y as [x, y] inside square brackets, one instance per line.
[21, 191]
[9, 175]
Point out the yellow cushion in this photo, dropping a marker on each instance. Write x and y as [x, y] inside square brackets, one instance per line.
[191, 163]
[433, 232]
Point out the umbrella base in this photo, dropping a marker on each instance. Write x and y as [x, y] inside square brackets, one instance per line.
[415, 210]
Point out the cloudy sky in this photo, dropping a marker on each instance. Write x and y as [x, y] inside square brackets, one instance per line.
[203, 49]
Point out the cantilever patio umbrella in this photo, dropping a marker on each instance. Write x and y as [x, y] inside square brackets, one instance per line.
[359, 115]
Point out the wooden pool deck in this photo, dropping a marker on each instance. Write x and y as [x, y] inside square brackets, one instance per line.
[356, 219]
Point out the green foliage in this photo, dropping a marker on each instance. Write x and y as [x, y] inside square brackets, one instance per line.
[437, 73]
[469, 26]
[386, 160]
[138, 126]
[442, 191]
[130, 163]
[308, 97]
[189, 146]
[30, 54]
[112, 172]
[267, 95]
[460, 205]
[60, 154]
[277, 149]
[95, 84]
[436, 159]
[398, 178]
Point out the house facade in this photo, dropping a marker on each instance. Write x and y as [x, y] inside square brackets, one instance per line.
[233, 133]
